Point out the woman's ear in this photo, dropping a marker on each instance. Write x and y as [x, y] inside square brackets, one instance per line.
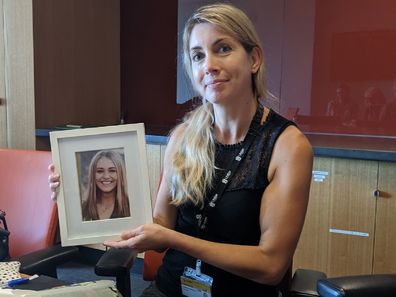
[256, 58]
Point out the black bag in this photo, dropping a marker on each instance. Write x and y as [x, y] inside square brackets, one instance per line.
[4, 234]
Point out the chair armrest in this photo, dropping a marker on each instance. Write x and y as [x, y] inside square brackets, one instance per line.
[46, 260]
[304, 282]
[115, 262]
[383, 285]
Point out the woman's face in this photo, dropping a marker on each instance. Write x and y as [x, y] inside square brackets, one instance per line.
[221, 67]
[106, 175]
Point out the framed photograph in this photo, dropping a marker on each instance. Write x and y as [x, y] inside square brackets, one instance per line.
[104, 186]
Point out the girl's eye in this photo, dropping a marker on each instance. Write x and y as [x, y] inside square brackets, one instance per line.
[99, 170]
[113, 170]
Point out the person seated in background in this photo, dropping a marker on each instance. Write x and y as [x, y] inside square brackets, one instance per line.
[341, 106]
[373, 103]
[232, 201]
[388, 113]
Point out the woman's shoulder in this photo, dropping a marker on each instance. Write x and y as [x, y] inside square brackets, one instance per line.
[293, 143]
[291, 149]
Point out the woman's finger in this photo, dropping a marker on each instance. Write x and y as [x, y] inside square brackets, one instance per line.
[129, 234]
[54, 186]
[119, 244]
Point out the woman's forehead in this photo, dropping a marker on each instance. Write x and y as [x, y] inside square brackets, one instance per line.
[105, 160]
[206, 32]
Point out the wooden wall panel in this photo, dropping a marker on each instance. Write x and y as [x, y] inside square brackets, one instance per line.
[385, 239]
[77, 62]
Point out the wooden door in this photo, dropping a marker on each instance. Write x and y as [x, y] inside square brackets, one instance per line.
[353, 215]
[385, 232]
[338, 235]
[312, 249]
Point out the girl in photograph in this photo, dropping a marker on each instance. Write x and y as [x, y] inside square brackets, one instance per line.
[106, 196]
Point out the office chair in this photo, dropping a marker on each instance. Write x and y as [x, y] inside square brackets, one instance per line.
[32, 220]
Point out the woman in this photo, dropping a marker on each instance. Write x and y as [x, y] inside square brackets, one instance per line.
[106, 195]
[237, 231]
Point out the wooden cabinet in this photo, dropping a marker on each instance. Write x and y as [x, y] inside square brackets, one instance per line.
[347, 229]
[155, 160]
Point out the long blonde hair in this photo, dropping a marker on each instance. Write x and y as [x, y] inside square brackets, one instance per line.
[193, 160]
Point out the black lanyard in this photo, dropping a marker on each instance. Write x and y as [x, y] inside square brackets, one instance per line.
[208, 208]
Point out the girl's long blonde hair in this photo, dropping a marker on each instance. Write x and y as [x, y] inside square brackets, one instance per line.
[193, 158]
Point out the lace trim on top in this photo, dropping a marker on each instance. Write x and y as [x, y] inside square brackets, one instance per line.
[252, 172]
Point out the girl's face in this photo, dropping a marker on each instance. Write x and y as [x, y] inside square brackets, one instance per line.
[221, 67]
[106, 175]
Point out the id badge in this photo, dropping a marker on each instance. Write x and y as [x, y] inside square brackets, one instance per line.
[194, 283]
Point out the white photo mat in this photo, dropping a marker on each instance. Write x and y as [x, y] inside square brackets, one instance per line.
[65, 145]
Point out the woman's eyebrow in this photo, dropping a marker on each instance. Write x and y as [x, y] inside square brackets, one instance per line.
[219, 40]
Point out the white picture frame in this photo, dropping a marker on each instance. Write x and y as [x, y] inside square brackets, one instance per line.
[72, 150]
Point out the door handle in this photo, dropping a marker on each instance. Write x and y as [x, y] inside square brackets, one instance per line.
[377, 193]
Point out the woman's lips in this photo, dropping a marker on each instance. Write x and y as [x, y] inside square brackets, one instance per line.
[107, 182]
[215, 83]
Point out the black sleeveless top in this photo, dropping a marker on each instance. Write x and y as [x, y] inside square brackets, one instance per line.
[236, 216]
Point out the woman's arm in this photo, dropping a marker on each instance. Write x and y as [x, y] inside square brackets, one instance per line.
[282, 216]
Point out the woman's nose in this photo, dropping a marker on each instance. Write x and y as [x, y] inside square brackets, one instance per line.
[210, 64]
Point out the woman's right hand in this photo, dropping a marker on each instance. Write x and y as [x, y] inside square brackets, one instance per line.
[53, 182]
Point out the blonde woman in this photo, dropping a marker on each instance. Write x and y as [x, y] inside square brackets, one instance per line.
[106, 196]
[232, 201]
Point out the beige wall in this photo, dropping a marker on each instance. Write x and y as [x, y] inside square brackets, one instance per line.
[16, 75]
[3, 113]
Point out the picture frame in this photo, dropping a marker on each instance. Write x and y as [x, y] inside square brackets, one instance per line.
[104, 182]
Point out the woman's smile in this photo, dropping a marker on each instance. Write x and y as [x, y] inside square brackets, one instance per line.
[106, 175]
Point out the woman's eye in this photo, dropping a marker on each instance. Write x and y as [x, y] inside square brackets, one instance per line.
[99, 171]
[113, 170]
[224, 48]
[196, 57]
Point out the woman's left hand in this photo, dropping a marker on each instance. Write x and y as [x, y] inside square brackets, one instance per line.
[143, 238]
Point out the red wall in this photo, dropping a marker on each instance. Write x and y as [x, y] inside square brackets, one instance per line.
[355, 44]
[148, 63]
[315, 36]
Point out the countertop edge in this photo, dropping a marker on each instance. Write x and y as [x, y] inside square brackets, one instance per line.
[319, 151]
